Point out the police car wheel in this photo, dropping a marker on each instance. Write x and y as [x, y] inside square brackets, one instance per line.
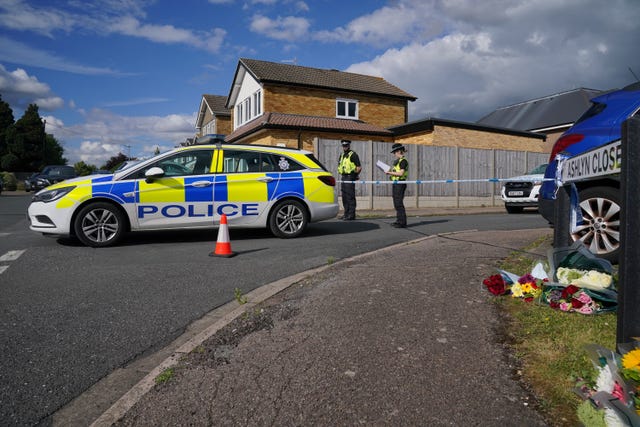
[99, 224]
[288, 219]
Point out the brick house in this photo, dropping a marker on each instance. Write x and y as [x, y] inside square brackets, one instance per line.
[213, 116]
[283, 104]
[313, 109]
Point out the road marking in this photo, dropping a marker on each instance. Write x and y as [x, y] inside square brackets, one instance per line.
[3, 268]
[11, 255]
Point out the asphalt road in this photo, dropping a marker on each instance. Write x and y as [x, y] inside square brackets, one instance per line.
[70, 315]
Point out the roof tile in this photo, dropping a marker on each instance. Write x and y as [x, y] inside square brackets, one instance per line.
[288, 74]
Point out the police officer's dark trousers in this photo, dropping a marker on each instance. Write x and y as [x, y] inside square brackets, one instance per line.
[349, 196]
[398, 202]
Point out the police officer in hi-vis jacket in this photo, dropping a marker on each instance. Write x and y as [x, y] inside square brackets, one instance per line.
[349, 169]
[399, 173]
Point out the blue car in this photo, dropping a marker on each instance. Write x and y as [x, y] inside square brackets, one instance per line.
[599, 198]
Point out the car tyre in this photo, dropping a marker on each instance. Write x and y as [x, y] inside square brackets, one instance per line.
[99, 224]
[513, 209]
[288, 219]
[600, 231]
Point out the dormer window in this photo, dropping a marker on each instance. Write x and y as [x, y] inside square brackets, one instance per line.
[346, 109]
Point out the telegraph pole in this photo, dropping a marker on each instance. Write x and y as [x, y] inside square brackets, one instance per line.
[44, 142]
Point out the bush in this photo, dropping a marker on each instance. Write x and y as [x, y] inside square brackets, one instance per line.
[10, 181]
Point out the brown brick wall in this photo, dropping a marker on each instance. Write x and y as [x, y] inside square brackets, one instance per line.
[290, 138]
[379, 111]
[225, 125]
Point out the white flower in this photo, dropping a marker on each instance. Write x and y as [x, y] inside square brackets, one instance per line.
[594, 280]
[605, 381]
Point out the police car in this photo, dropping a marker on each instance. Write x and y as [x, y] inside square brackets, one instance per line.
[279, 188]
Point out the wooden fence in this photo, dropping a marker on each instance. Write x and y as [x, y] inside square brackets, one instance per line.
[427, 163]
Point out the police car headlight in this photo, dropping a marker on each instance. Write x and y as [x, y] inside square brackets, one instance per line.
[52, 195]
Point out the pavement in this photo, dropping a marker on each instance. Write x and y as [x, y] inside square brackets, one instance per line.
[405, 335]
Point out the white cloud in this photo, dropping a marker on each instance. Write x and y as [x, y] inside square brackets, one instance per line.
[127, 25]
[20, 53]
[302, 6]
[289, 28]
[384, 27]
[104, 134]
[500, 52]
[49, 104]
[17, 15]
[19, 89]
[102, 17]
[132, 102]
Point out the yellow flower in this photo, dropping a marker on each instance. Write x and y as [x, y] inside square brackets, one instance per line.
[526, 288]
[516, 290]
[631, 360]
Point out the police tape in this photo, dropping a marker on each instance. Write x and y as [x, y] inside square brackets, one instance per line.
[447, 181]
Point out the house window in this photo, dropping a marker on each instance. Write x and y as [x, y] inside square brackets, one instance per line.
[210, 128]
[240, 114]
[346, 109]
[257, 103]
[249, 108]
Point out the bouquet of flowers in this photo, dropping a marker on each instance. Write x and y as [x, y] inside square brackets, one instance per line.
[526, 287]
[571, 298]
[613, 399]
[496, 284]
[590, 279]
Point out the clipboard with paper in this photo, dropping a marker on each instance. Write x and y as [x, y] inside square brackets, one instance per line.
[382, 165]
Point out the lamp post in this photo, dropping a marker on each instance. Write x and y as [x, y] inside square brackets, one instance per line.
[44, 142]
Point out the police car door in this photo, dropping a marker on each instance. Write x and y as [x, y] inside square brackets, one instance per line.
[182, 196]
[241, 187]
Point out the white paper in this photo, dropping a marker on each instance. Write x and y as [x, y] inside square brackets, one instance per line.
[382, 165]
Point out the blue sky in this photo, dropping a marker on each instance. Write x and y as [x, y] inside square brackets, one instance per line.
[127, 76]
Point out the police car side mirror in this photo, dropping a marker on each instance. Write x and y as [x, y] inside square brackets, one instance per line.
[154, 172]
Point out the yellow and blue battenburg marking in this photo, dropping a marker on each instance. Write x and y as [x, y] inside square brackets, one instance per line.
[226, 188]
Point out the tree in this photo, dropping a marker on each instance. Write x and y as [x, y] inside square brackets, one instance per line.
[114, 161]
[83, 169]
[24, 145]
[28, 142]
[53, 152]
[6, 122]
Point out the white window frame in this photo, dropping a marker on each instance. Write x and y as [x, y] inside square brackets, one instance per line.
[347, 103]
[257, 103]
[249, 108]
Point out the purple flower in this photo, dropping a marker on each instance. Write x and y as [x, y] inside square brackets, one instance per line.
[527, 278]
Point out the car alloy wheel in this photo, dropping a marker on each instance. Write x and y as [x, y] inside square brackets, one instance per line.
[288, 219]
[99, 224]
[600, 230]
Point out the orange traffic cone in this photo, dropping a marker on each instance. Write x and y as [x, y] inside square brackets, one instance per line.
[223, 245]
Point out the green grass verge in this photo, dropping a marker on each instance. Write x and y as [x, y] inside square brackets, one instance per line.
[550, 344]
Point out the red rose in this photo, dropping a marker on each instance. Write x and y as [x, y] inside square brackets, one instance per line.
[576, 303]
[569, 290]
[495, 284]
